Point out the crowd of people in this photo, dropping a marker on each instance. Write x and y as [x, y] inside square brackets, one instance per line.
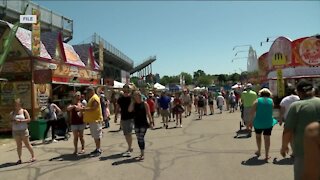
[299, 112]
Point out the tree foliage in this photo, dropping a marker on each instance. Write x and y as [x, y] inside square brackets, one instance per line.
[200, 78]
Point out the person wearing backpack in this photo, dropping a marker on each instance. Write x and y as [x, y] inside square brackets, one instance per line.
[51, 118]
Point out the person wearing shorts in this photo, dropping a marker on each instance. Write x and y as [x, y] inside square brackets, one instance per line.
[263, 120]
[127, 121]
[76, 121]
[247, 98]
[164, 103]
[20, 119]
[92, 114]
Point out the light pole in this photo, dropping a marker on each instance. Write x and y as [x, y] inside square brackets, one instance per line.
[239, 52]
[239, 58]
[246, 45]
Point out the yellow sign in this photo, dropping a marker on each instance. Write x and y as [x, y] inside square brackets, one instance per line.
[36, 34]
[278, 60]
[280, 83]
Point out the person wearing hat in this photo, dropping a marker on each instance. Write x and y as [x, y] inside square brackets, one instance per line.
[127, 118]
[301, 113]
[248, 97]
[77, 124]
[92, 114]
[261, 117]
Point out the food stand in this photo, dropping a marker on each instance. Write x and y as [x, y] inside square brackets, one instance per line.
[54, 73]
[301, 59]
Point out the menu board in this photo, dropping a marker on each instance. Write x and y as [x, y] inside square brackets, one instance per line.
[42, 93]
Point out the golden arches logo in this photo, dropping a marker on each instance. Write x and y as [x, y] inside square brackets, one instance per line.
[279, 59]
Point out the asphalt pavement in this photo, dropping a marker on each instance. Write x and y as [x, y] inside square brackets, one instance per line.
[201, 150]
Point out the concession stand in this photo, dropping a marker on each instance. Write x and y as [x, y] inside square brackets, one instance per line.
[56, 73]
[299, 59]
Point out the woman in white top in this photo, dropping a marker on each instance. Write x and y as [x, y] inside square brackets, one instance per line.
[20, 119]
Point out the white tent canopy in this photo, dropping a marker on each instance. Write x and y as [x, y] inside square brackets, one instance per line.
[236, 86]
[158, 86]
[199, 88]
[118, 85]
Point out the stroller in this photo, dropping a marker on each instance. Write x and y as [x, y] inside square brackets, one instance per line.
[62, 128]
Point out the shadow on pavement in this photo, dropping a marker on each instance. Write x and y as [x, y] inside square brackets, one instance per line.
[254, 161]
[126, 161]
[5, 165]
[240, 134]
[70, 157]
[114, 156]
[286, 161]
[114, 131]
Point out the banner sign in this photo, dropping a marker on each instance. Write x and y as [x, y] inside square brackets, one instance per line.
[36, 30]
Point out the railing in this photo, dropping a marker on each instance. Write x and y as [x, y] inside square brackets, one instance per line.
[109, 47]
[47, 16]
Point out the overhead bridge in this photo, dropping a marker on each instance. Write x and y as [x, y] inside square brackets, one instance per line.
[144, 69]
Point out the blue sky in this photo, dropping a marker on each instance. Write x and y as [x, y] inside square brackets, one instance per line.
[189, 35]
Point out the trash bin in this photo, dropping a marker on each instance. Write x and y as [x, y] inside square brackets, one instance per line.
[37, 129]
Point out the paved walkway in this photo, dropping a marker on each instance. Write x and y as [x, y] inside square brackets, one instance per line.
[202, 149]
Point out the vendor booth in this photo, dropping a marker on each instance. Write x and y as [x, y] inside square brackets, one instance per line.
[56, 73]
[288, 61]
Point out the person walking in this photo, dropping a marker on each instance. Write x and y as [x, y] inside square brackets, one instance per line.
[232, 102]
[152, 108]
[77, 124]
[248, 96]
[51, 118]
[164, 103]
[195, 103]
[141, 113]
[186, 101]
[178, 110]
[220, 102]
[262, 120]
[201, 105]
[211, 102]
[284, 108]
[127, 118]
[92, 114]
[20, 118]
[301, 113]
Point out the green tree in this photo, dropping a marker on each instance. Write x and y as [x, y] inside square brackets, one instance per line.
[205, 80]
[134, 80]
[165, 80]
[222, 78]
[187, 78]
[198, 74]
[235, 77]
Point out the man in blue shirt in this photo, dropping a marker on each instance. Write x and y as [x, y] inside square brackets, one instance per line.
[164, 103]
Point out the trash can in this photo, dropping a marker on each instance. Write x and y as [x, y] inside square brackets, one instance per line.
[37, 129]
